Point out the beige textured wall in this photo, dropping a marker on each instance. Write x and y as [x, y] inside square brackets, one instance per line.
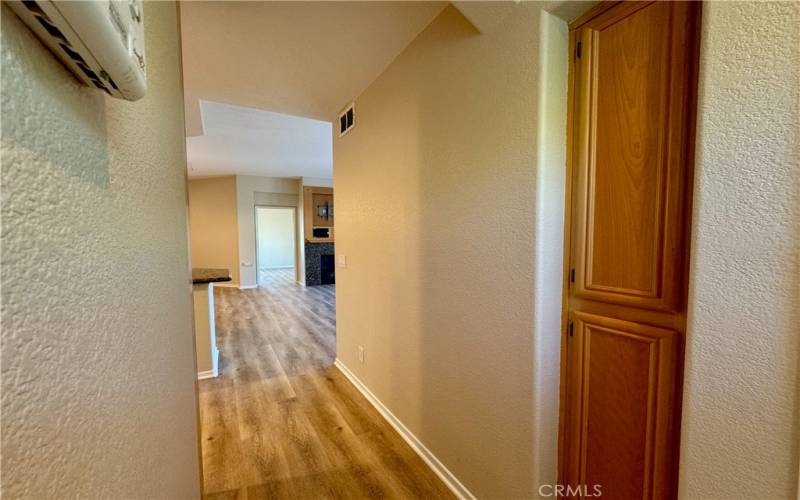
[436, 195]
[214, 227]
[98, 378]
[740, 409]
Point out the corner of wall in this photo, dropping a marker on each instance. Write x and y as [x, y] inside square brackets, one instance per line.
[549, 229]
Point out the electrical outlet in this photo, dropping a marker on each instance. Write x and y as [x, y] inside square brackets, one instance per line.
[341, 260]
[361, 354]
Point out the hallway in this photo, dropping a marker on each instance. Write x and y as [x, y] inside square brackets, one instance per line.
[280, 421]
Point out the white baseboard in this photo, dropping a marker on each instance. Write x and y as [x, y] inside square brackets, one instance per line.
[247, 287]
[206, 374]
[214, 371]
[449, 479]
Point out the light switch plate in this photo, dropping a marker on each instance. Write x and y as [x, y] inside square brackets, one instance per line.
[341, 260]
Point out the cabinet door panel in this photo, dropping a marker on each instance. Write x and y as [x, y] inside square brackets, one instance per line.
[623, 400]
[628, 182]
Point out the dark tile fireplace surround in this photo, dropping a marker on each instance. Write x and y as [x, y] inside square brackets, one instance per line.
[320, 265]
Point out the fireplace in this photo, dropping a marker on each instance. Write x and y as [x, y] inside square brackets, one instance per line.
[327, 274]
[320, 264]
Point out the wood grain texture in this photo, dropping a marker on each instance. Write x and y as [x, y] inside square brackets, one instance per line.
[630, 139]
[629, 180]
[310, 218]
[280, 421]
[625, 204]
[624, 376]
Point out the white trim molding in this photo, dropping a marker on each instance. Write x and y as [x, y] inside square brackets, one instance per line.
[247, 287]
[214, 371]
[449, 479]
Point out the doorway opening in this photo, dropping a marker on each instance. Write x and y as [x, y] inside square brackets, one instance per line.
[275, 242]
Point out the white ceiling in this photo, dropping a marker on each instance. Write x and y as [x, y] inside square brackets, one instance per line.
[300, 58]
[248, 141]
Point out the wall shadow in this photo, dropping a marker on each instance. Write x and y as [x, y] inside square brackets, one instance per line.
[476, 207]
[52, 103]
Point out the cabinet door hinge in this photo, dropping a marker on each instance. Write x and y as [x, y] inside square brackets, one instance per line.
[570, 329]
[572, 275]
[578, 50]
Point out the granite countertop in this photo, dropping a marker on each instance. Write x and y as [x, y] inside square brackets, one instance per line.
[206, 275]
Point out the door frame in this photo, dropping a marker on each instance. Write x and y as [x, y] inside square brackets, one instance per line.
[294, 236]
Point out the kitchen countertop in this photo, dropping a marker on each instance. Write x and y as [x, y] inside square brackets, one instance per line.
[208, 275]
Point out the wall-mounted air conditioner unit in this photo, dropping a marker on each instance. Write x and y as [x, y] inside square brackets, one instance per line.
[101, 42]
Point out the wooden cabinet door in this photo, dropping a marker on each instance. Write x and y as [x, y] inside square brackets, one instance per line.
[622, 375]
[632, 87]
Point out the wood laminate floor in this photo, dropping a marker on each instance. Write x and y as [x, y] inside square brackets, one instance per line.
[281, 421]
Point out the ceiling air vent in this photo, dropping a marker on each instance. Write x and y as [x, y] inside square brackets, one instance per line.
[347, 119]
